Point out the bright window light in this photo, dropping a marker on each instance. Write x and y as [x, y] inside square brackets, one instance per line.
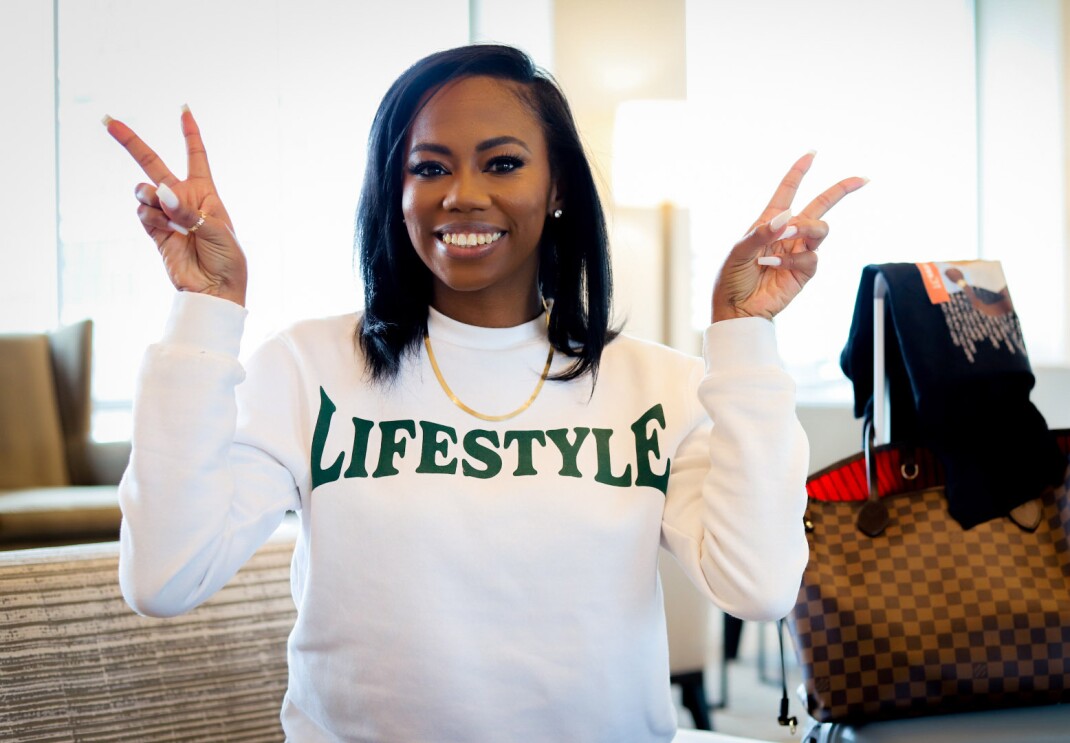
[887, 90]
[284, 93]
[880, 89]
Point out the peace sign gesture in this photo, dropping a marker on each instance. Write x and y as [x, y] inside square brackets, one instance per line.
[186, 219]
[770, 265]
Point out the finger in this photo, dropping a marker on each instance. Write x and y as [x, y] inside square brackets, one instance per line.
[830, 197]
[179, 213]
[763, 234]
[146, 194]
[803, 262]
[153, 220]
[789, 185]
[144, 155]
[804, 235]
[810, 231]
[196, 156]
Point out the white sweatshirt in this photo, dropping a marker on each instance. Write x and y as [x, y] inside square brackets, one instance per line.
[459, 580]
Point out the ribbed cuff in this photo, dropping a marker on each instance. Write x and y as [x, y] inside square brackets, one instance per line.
[743, 343]
[205, 322]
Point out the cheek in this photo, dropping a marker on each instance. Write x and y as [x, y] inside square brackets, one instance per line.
[410, 212]
[528, 208]
[408, 202]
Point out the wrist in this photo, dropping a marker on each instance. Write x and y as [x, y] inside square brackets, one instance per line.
[733, 312]
[231, 285]
[230, 292]
[233, 294]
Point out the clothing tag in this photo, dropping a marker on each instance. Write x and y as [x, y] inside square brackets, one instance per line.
[943, 279]
[934, 283]
[976, 305]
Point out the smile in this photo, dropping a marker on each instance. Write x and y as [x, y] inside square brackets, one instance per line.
[470, 238]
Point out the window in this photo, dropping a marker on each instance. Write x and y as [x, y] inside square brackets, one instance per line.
[891, 91]
[284, 94]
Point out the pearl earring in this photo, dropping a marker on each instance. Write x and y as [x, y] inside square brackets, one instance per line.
[558, 213]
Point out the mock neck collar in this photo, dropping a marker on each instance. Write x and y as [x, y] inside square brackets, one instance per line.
[448, 330]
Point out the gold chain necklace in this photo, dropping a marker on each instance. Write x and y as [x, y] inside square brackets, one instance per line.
[457, 401]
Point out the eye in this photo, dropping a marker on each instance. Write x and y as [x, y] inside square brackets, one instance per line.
[427, 169]
[504, 164]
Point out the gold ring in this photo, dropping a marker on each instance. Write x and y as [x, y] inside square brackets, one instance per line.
[200, 220]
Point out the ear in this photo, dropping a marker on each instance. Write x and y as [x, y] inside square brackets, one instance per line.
[555, 201]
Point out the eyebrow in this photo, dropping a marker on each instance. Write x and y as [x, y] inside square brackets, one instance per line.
[487, 144]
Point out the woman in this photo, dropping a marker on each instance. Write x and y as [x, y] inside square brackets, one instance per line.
[477, 558]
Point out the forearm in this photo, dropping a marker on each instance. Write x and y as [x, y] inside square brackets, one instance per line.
[735, 517]
[188, 524]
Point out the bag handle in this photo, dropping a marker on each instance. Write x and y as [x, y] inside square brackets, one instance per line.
[873, 515]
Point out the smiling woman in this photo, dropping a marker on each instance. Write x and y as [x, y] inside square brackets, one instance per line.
[476, 194]
[506, 567]
[461, 140]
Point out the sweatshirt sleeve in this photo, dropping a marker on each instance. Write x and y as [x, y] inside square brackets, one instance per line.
[199, 496]
[737, 490]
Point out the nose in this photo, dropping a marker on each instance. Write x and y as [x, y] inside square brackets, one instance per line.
[466, 192]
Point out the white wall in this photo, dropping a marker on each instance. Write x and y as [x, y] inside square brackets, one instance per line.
[28, 267]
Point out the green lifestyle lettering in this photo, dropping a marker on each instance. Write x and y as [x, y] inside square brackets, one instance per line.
[437, 449]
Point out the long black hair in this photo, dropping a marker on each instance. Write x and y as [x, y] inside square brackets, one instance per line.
[574, 265]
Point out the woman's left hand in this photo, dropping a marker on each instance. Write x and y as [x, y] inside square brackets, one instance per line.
[785, 246]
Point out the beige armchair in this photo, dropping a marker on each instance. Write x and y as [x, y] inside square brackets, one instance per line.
[56, 485]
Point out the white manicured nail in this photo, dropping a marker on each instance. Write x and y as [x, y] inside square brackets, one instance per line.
[185, 108]
[780, 220]
[167, 196]
[811, 152]
[769, 260]
[106, 120]
[791, 231]
[183, 231]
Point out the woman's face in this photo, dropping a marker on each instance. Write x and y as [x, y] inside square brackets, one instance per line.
[476, 193]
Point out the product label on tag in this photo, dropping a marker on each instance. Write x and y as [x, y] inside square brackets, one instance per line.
[934, 283]
[973, 297]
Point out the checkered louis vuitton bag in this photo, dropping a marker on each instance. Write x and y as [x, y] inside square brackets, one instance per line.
[903, 613]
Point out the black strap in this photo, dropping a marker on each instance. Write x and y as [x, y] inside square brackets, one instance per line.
[783, 719]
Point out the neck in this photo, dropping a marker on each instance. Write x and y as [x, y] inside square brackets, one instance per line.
[489, 312]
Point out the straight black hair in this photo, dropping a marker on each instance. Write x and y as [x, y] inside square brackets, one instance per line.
[574, 264]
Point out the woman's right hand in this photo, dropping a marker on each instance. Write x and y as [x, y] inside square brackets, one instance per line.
[205, 257]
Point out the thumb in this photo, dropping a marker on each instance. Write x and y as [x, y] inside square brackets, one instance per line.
[180, 219]
[764, 234]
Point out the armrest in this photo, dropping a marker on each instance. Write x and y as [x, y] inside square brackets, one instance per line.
[106, 462]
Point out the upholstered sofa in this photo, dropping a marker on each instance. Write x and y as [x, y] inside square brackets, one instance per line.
[57, 486]
[77, 664]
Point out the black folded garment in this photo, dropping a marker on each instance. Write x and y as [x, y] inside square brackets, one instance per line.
[959, 381]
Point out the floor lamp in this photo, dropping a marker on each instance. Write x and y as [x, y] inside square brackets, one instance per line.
[648, 174]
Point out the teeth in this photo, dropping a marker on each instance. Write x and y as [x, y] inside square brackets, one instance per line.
[470, 238]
